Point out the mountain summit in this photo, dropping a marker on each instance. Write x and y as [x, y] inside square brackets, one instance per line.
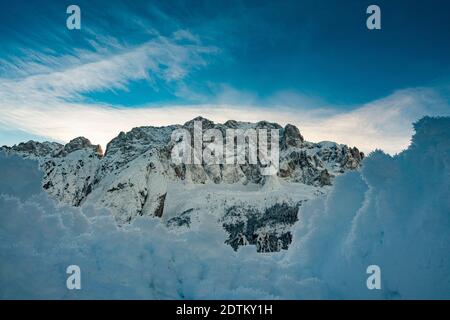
[136, 177]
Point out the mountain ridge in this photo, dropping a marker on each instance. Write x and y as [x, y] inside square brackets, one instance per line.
[136, 177]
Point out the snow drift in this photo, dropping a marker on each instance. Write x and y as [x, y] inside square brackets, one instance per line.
[394, 212]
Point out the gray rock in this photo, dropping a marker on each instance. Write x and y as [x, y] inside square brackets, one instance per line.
[291, 137]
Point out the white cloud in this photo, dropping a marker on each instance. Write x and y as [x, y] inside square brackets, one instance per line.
[159, 58]
[384, 124]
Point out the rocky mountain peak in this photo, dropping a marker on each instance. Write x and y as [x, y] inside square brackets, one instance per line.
[80, 143]
[206, 123]
[35, 148]
[291, 137]
[267, 125]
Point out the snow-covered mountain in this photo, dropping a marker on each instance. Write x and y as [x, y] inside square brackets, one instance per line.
[393, 212]
[136, 177]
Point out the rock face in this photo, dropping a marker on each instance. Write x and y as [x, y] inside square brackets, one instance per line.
[81, 143]
[291, 137]
[136, 176]
[247, 225]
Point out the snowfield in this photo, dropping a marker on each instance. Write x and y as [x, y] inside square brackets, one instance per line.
[393, 212]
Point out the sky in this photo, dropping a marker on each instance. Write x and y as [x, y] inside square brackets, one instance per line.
[310, 63]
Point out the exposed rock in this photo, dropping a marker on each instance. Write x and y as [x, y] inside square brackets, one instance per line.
[160, 205]
[291, 137]
[183, 220]
[81, 143]
[35, 149]
[268, 229]
[325, 178]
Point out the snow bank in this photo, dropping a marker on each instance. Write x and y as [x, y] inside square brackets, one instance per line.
[394, 212]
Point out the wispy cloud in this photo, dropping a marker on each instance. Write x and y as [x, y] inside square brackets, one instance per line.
[383, 124]
[47, 77]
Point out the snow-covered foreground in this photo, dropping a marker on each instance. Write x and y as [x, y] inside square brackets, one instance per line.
[394, 212]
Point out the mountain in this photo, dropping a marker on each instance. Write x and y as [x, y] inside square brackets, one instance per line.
[136, 177]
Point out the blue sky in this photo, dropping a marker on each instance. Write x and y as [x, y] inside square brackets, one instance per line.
[313, 63]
